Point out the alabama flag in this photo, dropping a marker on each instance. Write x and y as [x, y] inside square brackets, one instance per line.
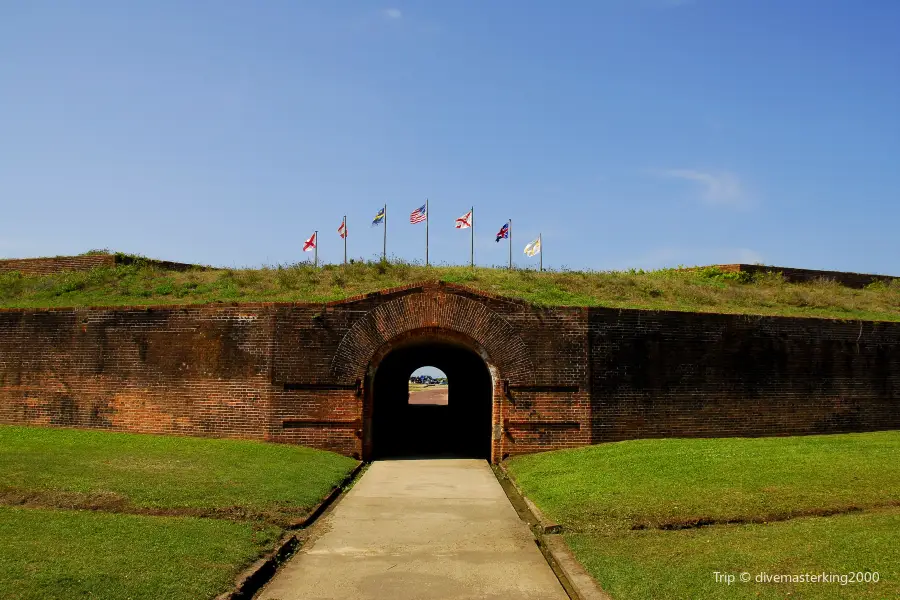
[465, 221]
[342, 230]
[310, 244]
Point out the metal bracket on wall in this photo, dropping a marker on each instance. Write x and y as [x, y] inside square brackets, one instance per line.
[566, 389]
[334, 424]
[545, 389]
[293, 386]
[525, 425]
[290, 387]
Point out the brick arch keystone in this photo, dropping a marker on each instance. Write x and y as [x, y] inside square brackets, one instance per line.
[432, 310]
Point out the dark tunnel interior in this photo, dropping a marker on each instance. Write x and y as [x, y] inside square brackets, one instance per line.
[462, 428]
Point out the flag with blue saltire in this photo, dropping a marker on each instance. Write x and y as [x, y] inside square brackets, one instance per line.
[503, 233]
[533, 248]
[418, 215]
[379, 218]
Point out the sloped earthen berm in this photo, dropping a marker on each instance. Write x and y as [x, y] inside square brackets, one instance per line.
[522, 378]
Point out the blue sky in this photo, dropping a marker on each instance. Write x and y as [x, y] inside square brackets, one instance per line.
[433, 371]
[631, 133]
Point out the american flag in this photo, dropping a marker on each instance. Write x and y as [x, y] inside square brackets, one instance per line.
[418, 215]
[503, 233]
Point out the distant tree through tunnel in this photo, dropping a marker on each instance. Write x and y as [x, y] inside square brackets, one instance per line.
[431, 399]
[428, 385]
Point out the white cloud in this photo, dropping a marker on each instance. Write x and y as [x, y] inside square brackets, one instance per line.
[393, 13]
[721, 188]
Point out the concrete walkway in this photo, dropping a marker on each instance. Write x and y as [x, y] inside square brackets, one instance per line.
[420, 529]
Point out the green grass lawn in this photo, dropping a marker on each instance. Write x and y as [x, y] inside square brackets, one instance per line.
[252, 489]
[614, 501]
[421, 387]
[702, 290]
[65, 554]
[74, 467]
[682, 564]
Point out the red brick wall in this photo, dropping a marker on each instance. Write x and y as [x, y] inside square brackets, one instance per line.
[194, 371]
[671, 374]
[563, 377]
[45, 266]
[792, 275]
[58, 264]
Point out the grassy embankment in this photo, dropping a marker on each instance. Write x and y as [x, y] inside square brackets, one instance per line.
[658, 518]
[421, 387]
[115, 515]
[703, 290]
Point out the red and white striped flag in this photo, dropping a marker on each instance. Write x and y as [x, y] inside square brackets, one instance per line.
[418, 215]
[310, 244]
[465, 221]
[342, 230]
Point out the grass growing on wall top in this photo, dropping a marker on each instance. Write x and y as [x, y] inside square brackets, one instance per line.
[702, 290]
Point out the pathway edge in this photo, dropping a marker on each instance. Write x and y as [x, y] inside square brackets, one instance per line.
[577, 582]
[252, 579]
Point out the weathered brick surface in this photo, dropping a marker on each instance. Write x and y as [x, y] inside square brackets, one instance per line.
[175, 370]
[56, 264]
[562, 377]
[792, 275]
[59, 264]
[667, 374]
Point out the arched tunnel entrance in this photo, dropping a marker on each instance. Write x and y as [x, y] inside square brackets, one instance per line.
[459, 426]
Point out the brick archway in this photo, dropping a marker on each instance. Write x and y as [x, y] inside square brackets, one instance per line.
[434, 316]
[433, 310]
[483, 421]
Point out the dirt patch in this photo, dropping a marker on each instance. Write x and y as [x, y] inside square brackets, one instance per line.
[284, 517]
[694, 523]
[435, 395]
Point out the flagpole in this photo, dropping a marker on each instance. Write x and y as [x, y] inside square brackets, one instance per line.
[472, 227]
[426, 231]
[345, 240]
[384, 247]
[509, 237]
[541, 253]
[316, 248]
